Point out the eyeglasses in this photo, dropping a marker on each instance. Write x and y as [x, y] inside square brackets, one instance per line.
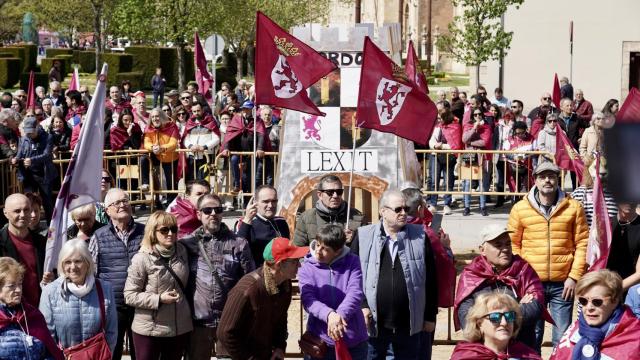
[546, 98]
[399, 209]
[165, 230]
[212, 209]
[496, 317]
[596, 302]
[120, 203]
[106, 179]
[12, 287]
[330, 192]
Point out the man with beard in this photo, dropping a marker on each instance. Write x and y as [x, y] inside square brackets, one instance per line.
[201, 135]
[115, 102]
[217, 261]
[330, 209]
[549, 230]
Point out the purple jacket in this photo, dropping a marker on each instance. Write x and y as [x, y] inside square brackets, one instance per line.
[333, 287]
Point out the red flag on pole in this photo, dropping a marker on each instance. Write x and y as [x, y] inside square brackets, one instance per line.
[203, 77]
[285, 68]
[414, 71]
[75, 80]
[566, 155]
[389, 102]
[600, 232]
[31, 93]
[630, 110]
[556, 92]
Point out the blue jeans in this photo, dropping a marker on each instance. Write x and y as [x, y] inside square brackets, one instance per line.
[388, 345]
[235, 170]
[158, 99]
[441, 172]
[357, 352]
[560, 310]
[484, 185]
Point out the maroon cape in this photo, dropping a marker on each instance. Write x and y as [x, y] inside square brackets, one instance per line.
[520, 276]
[80, 110]
[187, 217]
[446, 278]
[237, 127]
[621, 343]
[207, 122]
[119, 136]
[37, 327]
[476, 351]
[453, 133]
[536, 126]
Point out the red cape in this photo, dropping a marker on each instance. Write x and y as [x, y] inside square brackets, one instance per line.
[207, 122]
[445, 265]
[486, 134]
[187, 217]
[79, 111]
[520, 276]
[453, 133]
[536, 126]
[119, 136]
[467, 350]
[621, 343]
[169, 128]
[516, 142]
[237, 127]
[37, 327]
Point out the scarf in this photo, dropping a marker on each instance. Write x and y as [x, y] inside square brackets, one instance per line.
[333, 214]
[591, 337]
[165, 252]
[79, 291]
[37, 326]
[477, 351]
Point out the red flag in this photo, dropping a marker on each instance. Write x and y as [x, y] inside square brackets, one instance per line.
[74, 84]
[31, 93]
[413, 70]
[556, 92]
[389, 102]
[630, 110]
[285, 68]
[600, 232]
[203, 77]
[566, 155]
[342, 350]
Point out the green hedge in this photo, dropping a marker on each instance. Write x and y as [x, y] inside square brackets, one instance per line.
[9, 72]
[135, 77]
[39, 79]
[51, 52]
[87, 61]
[26, 53]
[31, 56]
[47, 63]
[118, 63]
[5, 55]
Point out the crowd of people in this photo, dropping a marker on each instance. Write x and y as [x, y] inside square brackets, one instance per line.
[186, 284]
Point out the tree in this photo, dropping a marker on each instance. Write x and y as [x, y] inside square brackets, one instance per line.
[11, 13]
[478, 35]
[65, 17]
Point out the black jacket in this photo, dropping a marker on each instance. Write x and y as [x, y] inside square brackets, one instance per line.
[573, 128]
[8, 249]
[260, 232]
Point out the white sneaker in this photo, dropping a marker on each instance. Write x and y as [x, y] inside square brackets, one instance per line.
[144, 187]
[446, 210]
[432, 209]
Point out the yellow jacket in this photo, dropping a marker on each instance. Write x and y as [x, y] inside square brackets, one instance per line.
[555, 247]
[167, 137]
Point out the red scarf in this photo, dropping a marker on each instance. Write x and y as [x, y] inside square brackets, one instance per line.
[207, 122]
[37, 327]
[187, 217]
[119, 136]
[477, 351]
[520, 276]
[536, 126]
[238, 127]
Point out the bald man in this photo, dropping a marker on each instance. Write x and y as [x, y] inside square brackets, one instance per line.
[25, 246]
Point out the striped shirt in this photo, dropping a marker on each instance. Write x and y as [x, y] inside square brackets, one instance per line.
[585, 197]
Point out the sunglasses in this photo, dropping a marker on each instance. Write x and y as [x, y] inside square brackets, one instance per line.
[182, 114]
[514, 107]
[546, 98]
[165, 230]
[477, 114]
[496, 317]
[106, 179]
[333, 191]
[212, 209]
[552, 121]
[185, 98]
[596, 302]
[165, 110]
[399, 209]
[482, 93]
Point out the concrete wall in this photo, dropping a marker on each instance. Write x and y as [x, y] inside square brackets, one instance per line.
[540, 48]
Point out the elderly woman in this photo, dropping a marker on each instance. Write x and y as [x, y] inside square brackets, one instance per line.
[155, 288]
[23, 330]
[492, 325]
[331, 292]
[593, 137]
[605, 328]
[161, 138]
[84, 222]
[547, 138]
[77, 306]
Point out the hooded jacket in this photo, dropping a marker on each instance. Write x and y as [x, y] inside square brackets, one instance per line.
[336, 286]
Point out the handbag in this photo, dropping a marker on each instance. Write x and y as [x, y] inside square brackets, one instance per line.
[96, 347]
[312, 345]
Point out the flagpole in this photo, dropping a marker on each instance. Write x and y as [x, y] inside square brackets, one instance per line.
[255, 157]
[354, 129]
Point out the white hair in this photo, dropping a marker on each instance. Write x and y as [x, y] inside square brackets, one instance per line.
[88, 209]
[111, 193]
[79, 247]
[384, 199]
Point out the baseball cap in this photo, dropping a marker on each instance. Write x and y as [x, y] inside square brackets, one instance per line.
[546, 166]
[247, 105]
[173, 93]
[29, 125]
[492, 232]
[138, 93]
[281, 248]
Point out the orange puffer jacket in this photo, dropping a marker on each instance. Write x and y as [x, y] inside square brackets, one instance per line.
[556, 247]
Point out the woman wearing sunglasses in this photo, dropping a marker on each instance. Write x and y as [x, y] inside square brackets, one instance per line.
[491, 327]
[605, 328]
[155, 288]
